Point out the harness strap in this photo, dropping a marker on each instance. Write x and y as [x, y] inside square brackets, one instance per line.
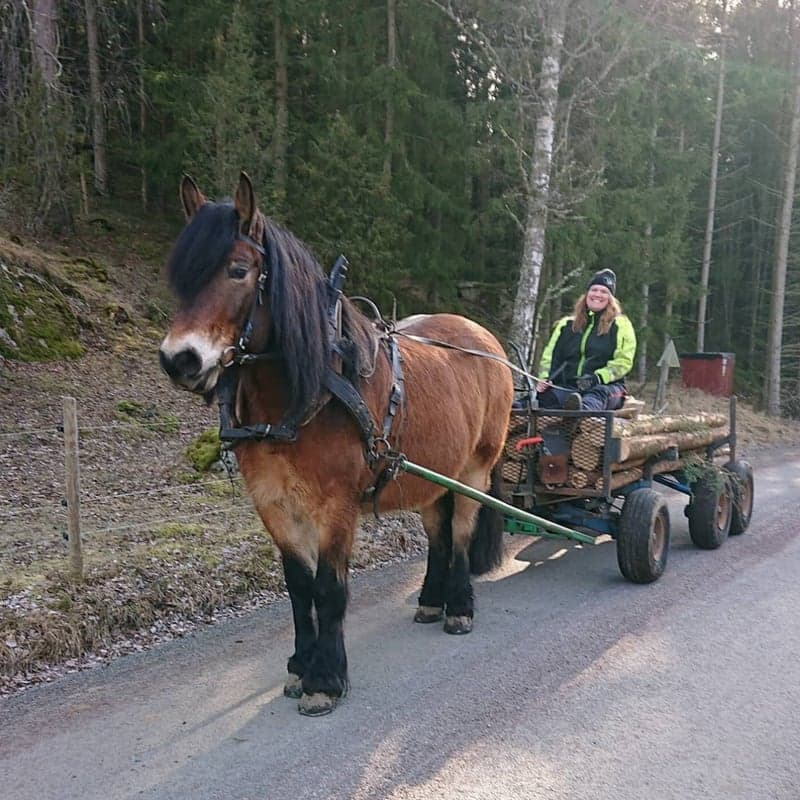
[227, 385]
[398, 394]
[396, 399]
[280, 432]
[286, 430]
[348, 396]
[230, 431]
[243, 342]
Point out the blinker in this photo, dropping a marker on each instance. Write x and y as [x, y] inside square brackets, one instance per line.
[263, 274]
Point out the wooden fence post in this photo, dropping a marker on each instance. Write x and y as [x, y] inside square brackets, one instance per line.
[73, 484]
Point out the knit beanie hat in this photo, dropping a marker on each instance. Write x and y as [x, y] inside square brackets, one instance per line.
[605, 277]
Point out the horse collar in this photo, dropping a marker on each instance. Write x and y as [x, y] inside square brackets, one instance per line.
[230, 431]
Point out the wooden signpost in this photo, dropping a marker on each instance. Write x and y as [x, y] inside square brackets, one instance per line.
[669, 360]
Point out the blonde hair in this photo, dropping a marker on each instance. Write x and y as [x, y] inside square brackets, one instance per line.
[607, 315]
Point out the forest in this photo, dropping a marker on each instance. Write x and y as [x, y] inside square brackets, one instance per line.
[481, 156]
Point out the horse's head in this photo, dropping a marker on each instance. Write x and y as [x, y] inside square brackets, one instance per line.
[244, 285]
[214, 270]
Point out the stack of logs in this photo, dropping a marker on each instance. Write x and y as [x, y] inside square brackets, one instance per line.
[640, 440]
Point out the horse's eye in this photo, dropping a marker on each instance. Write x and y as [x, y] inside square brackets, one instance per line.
[237, 272]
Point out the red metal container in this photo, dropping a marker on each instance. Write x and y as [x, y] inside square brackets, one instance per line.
[711, 372]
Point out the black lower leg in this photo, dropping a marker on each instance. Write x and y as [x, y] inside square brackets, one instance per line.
[328, 670]
[440, 543]
[460, 601]
[300, 584]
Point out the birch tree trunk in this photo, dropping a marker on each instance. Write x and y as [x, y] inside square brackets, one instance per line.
[648, 264]
[775, 335]
[391, 62]
[280, 137]
[669, 288]
[712, 192]
[98, 110]
[538, 185]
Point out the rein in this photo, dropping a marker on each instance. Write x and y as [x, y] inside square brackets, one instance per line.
[468, 351]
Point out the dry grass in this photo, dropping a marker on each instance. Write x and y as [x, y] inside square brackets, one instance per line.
[135, 573]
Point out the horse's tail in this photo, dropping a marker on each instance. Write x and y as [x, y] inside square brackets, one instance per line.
[486, 547]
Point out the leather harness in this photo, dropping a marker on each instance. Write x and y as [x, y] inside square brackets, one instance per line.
[376, 442]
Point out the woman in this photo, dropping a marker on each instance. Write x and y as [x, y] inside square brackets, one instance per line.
[589, 353]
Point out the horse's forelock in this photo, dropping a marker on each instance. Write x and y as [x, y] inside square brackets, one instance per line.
[201, 249]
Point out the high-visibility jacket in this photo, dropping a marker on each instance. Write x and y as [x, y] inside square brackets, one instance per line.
[569, 355]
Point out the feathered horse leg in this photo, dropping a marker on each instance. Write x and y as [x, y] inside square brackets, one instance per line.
[436, 519]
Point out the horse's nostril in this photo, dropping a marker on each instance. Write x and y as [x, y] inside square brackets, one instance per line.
[185, 364]
[188, 363]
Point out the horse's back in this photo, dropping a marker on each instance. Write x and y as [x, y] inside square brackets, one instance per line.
[451, 329]
[455, 412]
[462, 393]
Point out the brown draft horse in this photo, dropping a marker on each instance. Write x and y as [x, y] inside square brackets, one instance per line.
[310, 492]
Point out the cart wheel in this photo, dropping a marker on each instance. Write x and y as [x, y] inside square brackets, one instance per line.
[643, 536]
[741, 490]
[709, 513]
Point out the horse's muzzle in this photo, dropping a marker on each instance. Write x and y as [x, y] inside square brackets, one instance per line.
[184, 368]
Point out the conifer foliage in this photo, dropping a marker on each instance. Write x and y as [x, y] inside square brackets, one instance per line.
[409, 135]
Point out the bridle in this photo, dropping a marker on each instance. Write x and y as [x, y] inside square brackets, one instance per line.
[238, 353]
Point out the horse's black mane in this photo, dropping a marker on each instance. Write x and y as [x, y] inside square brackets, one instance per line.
[298, 298]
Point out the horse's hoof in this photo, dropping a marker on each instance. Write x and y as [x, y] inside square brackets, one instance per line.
[427, 614]
[458, 626]
[293, 687]
[317, 705]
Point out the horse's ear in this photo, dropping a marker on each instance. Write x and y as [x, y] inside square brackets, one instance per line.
[244, 199]
[191, 197]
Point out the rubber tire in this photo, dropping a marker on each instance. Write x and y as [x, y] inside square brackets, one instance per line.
[709, 503]
[742, 493]
[643, 536]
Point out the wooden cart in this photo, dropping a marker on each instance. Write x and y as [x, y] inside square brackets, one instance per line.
[591, 472]
[544, 494]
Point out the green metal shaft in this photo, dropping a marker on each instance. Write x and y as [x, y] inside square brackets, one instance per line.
[493, 502]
